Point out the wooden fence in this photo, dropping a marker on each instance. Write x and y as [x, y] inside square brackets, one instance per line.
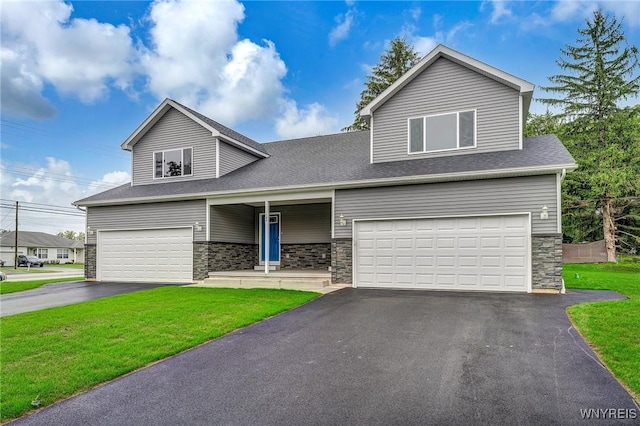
[584, 253]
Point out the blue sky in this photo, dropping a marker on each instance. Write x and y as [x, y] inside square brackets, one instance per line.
[79, 77]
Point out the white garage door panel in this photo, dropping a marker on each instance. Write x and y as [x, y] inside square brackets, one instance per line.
[160, 255]
[475, 253]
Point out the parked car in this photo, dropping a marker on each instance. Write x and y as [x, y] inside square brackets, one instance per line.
[29, 261]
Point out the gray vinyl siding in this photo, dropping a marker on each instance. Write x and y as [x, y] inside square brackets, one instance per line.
[232, 158]
[232, 224]
[174, 130]
[509, 195]
[302, 223]
[442, 88]
[146, 216]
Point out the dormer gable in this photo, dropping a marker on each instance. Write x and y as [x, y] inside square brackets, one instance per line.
[177, 143]
[448, 104]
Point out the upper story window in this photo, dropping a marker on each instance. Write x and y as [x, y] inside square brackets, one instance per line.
[175, 162]
[442, 132]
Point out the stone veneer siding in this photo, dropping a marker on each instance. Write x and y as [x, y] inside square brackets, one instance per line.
[232, 256]
[341, 260]
[90, 261]
[546, 261]
[200, 260]
[305, 256]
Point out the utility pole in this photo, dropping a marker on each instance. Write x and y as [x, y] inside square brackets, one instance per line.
[15, 248]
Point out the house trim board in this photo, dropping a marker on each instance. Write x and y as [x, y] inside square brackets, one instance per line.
[415, 179]
[522, 86]
[161, 110]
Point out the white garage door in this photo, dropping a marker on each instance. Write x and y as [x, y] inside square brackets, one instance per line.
[150, 255]
[473, 253]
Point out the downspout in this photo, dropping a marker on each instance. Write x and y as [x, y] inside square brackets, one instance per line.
[265, 241]
[563, 290]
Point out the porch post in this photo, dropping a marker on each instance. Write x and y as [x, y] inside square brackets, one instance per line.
[266, 227]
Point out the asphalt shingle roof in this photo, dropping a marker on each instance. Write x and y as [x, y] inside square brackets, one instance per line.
[38, 239]
[340, 158]
[225, 131]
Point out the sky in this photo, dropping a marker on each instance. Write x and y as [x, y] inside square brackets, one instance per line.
[77, 78]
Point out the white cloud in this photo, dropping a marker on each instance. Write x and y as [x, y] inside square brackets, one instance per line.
[79, 57]
[563, 11]
[341, 30]
[53, 184]
[500, 10]
[109, 180]
[416, 12]
[424, 44]
[312, 120]
[192, 54]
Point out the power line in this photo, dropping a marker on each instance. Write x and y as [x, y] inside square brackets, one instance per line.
[41, 204]
[55, 177]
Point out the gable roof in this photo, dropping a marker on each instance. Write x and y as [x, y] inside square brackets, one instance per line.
[216, 129]
[524, 87]
[342, 161]
[38, 239]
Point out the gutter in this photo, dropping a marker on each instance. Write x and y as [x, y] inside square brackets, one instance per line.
[435, 178]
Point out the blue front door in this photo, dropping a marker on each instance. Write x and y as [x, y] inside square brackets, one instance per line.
[274, 239]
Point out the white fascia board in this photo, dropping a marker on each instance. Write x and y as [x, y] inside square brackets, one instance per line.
[271, 197]
[239, 145]
[443, 51]
[146, 124]
[162, 109]
[520, 123]
[217, 157]
[297, 192]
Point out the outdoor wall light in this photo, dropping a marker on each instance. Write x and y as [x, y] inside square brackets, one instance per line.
[89, 230]
[197, 226]
[544, 213]
[343, 221]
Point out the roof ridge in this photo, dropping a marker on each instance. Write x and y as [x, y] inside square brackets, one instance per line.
[225, 130]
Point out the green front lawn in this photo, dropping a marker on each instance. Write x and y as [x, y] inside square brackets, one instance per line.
[612, 328]
[68, 265]
[25, 270]
[16, 286]
[52, 354]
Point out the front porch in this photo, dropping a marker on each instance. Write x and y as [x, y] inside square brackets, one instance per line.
[290, 279]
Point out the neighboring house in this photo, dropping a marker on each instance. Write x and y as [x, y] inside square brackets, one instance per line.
[443, 193]
[47, 247]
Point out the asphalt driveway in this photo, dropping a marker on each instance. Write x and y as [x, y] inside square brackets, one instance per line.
[66, 293]
[374, 357]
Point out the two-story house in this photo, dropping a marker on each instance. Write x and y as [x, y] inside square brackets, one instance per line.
[442, 193]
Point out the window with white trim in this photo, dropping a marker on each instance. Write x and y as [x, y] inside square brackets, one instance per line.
[42, 253]
[63, 253]
[171, 163]
[442, 132]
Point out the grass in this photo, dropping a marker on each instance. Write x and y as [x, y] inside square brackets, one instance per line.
[612, 328]
[52, 354]
[7, 287]
[67, 265]
[24, 270]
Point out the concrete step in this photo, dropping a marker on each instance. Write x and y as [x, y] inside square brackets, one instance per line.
[293, 283]
[271, 268]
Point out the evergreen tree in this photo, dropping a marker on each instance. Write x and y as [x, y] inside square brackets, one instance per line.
[600, 75]
[396, 60]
